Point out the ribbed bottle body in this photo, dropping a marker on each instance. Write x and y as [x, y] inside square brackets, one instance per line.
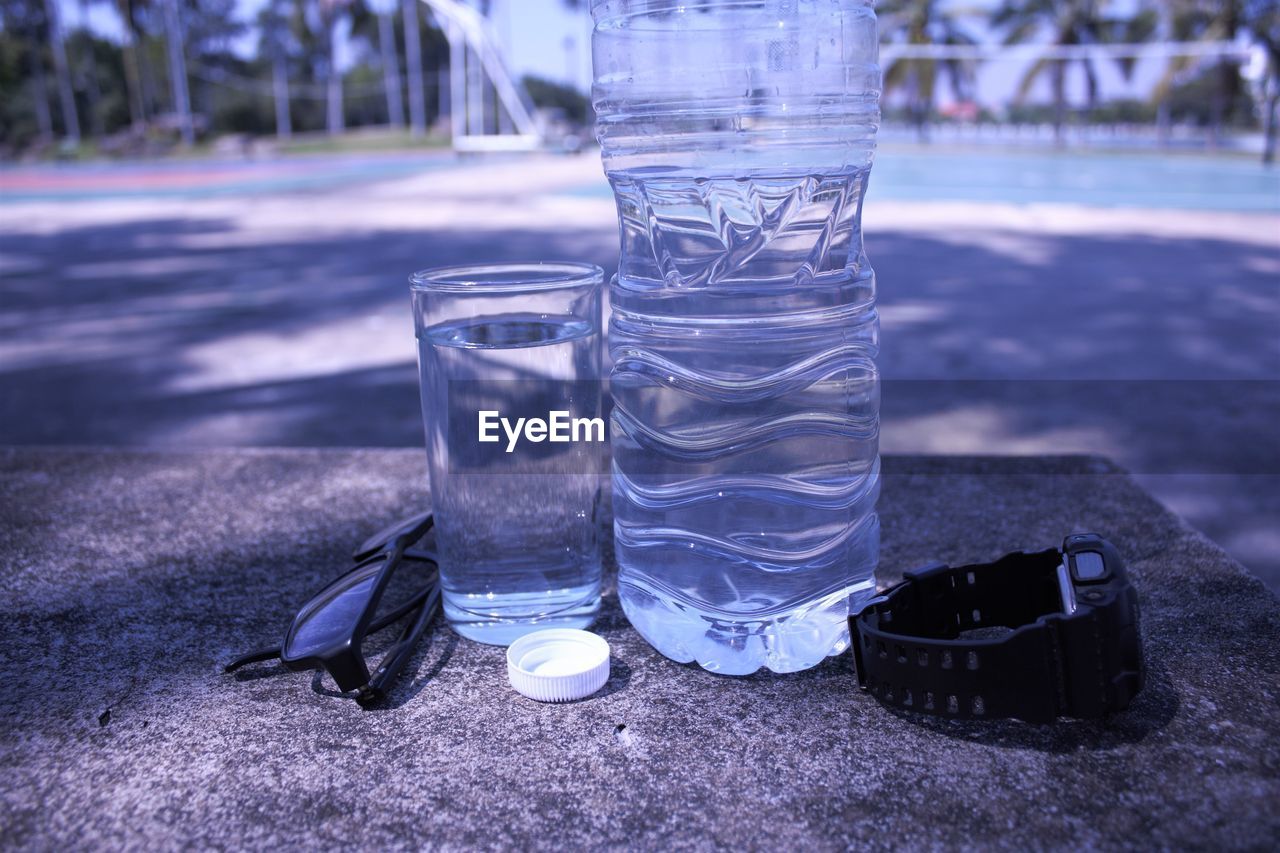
[738, 139]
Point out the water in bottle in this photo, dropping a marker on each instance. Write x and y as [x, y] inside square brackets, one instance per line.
[738, 137]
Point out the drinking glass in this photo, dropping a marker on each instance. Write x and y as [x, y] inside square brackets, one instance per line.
[509, 368]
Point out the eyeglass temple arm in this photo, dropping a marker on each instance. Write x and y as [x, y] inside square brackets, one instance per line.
[410, 529]
[399, 653]
[253, 657]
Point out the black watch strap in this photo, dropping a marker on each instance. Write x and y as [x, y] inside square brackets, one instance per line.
[1071, 648]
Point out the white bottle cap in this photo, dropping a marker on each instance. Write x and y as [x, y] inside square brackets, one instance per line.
[558, 664]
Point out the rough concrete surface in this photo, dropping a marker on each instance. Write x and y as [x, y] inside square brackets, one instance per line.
[130, 577]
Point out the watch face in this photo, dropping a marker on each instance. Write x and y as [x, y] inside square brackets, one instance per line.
[1092, 559]
[1089, 566]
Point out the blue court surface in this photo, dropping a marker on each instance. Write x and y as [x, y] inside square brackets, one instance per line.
[199, 178]
[901, 173]
[1195, 182]
[1149, 180]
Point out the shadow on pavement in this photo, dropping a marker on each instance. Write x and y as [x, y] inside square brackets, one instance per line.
[1161, 353]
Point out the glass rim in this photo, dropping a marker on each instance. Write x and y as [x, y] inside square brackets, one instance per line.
[507, 278]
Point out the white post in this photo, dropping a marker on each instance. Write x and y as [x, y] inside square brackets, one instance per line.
[476, 68]
[457, 81]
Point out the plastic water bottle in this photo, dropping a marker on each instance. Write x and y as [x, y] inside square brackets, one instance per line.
[737, 137]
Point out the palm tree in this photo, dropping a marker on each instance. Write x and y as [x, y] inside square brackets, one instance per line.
[390, 65]
[132, 67]
[178, 70]
[372, 25]
[1262, 17]
[210, 29]
[413, 59]
[29, 21]
[276, 43]
[40, 97]
[1067, 23]
[67, 99]
[139, 18]
[1139, 28]
[331, 13]
[925, 22]
[88, 75]
[1204, 20]
[35, 22]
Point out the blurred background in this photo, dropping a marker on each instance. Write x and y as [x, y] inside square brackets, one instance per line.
[208, 210]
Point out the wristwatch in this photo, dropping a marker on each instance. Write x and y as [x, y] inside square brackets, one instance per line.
[1033, 636]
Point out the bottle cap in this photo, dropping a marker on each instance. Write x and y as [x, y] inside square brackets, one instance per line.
[558, 664]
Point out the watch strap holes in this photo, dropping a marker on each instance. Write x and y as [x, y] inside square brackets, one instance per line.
[971, 660]
[922, 657]
[953, 704]
[928, 701]
[882, 649]
[902, 654]
[979, 707]
[945, 661]
[977, 616]
[971, 578]
[907, 699]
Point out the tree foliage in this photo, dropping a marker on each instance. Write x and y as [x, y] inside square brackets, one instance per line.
[124, 89]
[926, 22]
[552, 95]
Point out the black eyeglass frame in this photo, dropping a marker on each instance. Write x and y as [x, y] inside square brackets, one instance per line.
[343, 659]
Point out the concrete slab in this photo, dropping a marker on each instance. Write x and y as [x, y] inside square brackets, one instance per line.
[130, 577]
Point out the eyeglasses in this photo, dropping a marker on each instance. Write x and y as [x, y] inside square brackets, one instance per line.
[331, 627]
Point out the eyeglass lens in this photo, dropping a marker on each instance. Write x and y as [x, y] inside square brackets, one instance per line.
[331, 616]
